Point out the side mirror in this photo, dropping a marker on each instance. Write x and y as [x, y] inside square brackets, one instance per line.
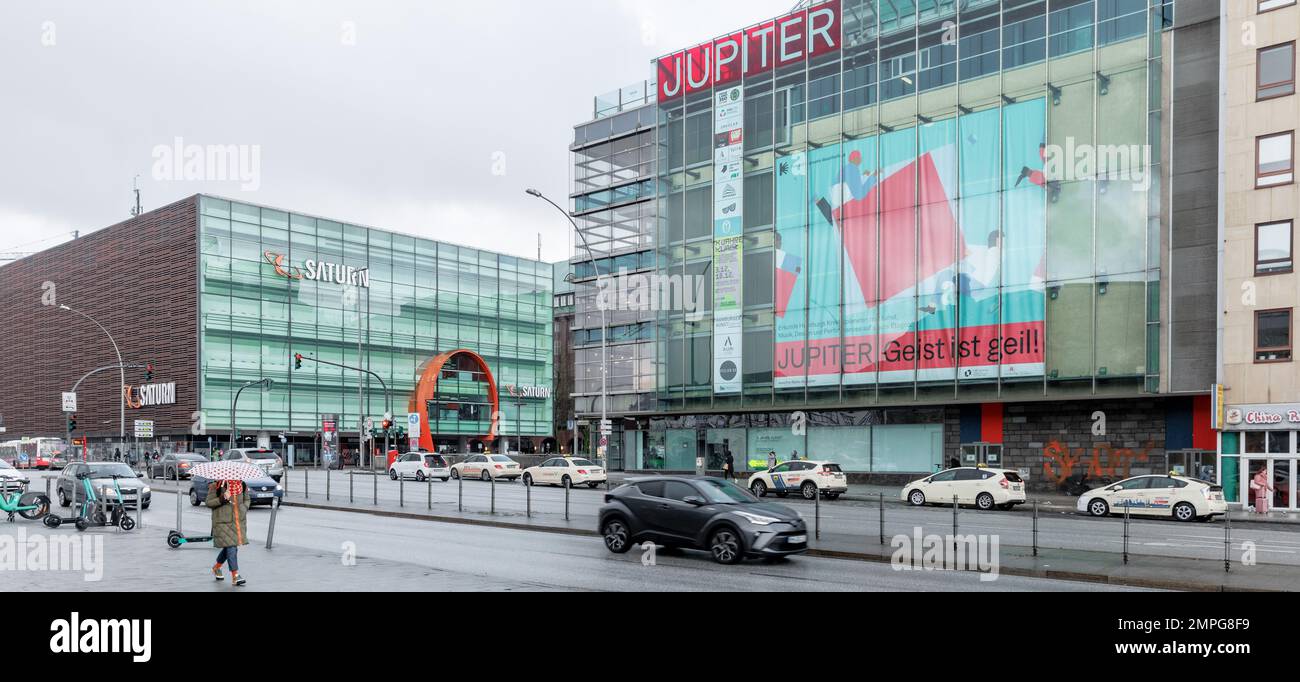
[1113, 489]
[694, 501]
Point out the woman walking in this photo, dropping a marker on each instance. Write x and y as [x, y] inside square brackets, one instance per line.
[229, 503]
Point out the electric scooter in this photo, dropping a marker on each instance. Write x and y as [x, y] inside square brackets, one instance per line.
[30, 506]
[89, 502]
[177, 539]
[113, 512]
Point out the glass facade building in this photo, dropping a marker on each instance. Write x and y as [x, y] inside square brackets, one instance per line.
[274, 283]
[901, 211]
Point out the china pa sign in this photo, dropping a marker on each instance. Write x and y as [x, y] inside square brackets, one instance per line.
[770, 45]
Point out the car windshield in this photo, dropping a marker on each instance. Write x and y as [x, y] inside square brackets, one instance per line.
[5, 465]
[433, 460]
[192, 458]
[261, 454]
[500, 458]
[110, 469]
[582, 463]
[726, 492]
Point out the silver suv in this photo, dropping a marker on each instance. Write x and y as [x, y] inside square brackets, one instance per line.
[267, 459]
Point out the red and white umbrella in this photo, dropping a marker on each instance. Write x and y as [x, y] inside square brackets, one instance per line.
[227, 471]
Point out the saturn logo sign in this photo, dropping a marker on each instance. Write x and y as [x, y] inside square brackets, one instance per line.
[320, 271]
[149, 395]
[277, 260]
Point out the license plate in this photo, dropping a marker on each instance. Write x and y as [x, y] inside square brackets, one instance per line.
[1015, 488]
[797, 539]
[263, 496]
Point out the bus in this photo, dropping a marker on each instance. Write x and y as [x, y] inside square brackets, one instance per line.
[34, 453]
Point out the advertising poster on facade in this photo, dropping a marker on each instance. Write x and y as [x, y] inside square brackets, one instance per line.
[728, 231]
[917, 255]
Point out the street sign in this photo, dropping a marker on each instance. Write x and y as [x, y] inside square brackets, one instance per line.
[604, 441]
[370, 423]
[69, 402]
[413, 425]
[144, 428]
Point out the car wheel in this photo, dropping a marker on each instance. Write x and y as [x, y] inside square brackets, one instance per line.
[455, 473]
[485, 476]
[63, 499]
[808, 490]
[1185, 512]
[984, 501]
[725, 546]
[617, 538]
[1099, 508]
[419, 476]
[392, 474]
[916, 498]
[528, 480]
[194, 497]
[759, 489]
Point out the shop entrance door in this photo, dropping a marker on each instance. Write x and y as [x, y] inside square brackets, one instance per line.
[975, 454]
[1282, 473]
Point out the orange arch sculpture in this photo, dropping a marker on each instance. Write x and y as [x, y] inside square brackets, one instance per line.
[428, 388]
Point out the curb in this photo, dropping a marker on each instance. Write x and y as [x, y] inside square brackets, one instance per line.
[1051, 574]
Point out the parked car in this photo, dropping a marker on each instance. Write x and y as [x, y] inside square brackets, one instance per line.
[421, 466]
[11, 476]
[58, 461]
[709, 514]
[69, 490]
[267, 459]
[487, 467]
[985, 488]
[566, 472]
[805, 478]
[174, 465]
[1177, 497]
[261, 491]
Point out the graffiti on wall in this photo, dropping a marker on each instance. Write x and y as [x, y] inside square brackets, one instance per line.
[1103, 461]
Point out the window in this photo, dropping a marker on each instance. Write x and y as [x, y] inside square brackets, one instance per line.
[676, 490]
[1136, 484]
[651, 488]
[969, 475]
[1266, 5]
[1273, 336]
[1273, 248]
[1274, 159]
[950, 475]
[1275, 71]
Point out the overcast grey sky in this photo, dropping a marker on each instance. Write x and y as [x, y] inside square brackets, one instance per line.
[400, 130]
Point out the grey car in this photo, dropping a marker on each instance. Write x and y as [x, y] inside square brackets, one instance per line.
[69, 488]
[695, 512]
[173, 465]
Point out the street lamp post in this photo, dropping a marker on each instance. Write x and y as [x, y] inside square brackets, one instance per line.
[266, 384]
[121, 390]
[604, 322]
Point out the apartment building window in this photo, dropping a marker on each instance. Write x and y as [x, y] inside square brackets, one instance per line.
[1273, 248]
[1275, 71]
[1266, 5]
[1273, 336]
[1275, 159]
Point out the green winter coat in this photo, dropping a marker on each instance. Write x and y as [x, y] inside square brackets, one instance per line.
[229, 519]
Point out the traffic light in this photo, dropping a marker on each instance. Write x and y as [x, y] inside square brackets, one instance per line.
[297, 360]
[148, 373]
[72, 423]
[386, 424]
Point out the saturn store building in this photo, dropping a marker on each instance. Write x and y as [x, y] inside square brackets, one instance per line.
[218, 295]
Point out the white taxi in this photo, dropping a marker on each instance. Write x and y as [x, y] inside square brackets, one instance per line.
[1179, 497]
[486, 468]
[805, 478]
[421, 466]
[565, 472]
[985, 488]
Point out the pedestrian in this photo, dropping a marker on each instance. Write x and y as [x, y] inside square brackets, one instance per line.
[117, 454]
[1262, 487]
[794, 457]
[729, 467]
[771, 459]
[954, 463]
[229, 503]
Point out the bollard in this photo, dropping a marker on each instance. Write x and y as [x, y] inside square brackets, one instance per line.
[327, 484]
[567, 485]
[401, 491]
[139, 507]
[1126, 508]
[460, 493]
[528, 497]
[375, 485]
[47, 488]
[428, 489]
[882, 519]
[1035, 527]
[493, 479]
[306, 484]
[270, 531]
[350, 479]
[179, 528]
[817, 514]
[1227, 542]
[284, 482]
[954, 523]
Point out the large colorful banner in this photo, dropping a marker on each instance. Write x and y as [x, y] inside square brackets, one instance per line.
[728, 238]
[917, 255]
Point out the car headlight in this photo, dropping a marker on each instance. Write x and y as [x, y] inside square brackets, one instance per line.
[758, 519]
[146, 490]
[279, 487]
